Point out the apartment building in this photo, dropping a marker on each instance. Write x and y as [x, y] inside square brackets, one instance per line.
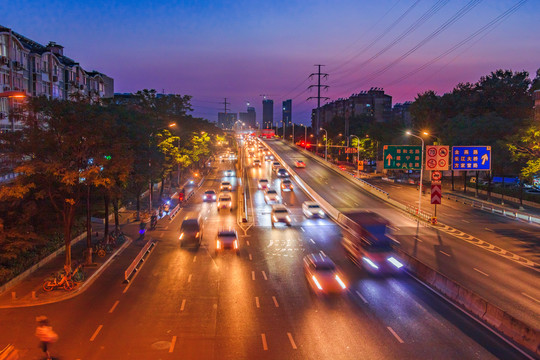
[32, 69]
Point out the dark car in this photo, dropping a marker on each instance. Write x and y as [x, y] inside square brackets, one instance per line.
[191, 232]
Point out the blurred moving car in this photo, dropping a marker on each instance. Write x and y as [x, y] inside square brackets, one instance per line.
[312, 210]
[299, 164]
[257, 163]
[282, 173]
[229, 172]
[263, 184]
[227, 239]
[287, 185]
[280, 214]
[225, 186]
[276, 165]
[323, 275]
[191, 231]
[271, 197]
[224, 202]
[268, 157]
[209, 195]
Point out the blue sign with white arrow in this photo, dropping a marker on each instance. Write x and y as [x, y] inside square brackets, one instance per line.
[471, 158]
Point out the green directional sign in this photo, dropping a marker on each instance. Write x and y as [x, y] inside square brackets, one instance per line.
[402, 157]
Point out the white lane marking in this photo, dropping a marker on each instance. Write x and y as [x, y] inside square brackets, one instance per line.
[481, 272]
[525, 231]
[530, 297]
[361, 297]
[303, 229]
[189, 278]
[195, 258]
[183, 305]
[312, 241]
[417, 239]
[466, 221]
[257, 302]
[161, 235]
[263, 338]
[250, 257]
[395, 335]
[173, 341]
[293, 344]
[247, 242]
[445, 253]
[136, 274]
[167, 227]
[253, 275]
[488, 229]
[114, 307]
[271, 243]
[264, 275]
[322, 253]
[96, 332]
[275, 301]
[395, 228]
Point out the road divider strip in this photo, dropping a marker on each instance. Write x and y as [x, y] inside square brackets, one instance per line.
[147, 248]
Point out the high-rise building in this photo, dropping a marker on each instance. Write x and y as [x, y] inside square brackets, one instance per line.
[287, 112]
[36, 70]
[226, 120]
[249, 118]
[268, 114]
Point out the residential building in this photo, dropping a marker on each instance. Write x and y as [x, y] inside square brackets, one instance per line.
[373, 103]
[249, 117]
[287, 112]
[226, 120]
[268, 114]
[37, 70]
[402, 113]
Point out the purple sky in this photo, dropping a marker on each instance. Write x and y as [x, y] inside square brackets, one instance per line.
[243, 49]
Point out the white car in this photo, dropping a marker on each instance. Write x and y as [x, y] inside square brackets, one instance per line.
[271, 196]
[209, 195]
[263, 184]
[227, 239]
[280, 214]
[300, 164]
[229, 173]
[224, 202]
[282, 173]
[312, 210]
[323, 275]
[225, 186]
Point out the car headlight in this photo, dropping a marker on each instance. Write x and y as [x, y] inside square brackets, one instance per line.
[316, 282]
[321, 212]
[309, 213]
[214, 197]
[218, 245]
[341, 283]
[274, 217]
[288, 218]
[370, 263]
[395, 262]
[181, 236]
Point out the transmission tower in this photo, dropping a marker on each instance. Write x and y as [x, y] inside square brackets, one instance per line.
[319, 86]
[225, 103]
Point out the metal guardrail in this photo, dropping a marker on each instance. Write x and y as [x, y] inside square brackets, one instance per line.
[494, 209]
[424, 215]
[138, 259]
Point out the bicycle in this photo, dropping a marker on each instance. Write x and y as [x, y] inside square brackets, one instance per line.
[57, 281]
[78, 275]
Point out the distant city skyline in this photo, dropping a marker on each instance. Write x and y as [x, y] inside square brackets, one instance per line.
[240, 50]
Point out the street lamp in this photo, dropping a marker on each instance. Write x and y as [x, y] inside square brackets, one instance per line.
[433, 136]
[325, 144]
[421, 170]
[357, 155]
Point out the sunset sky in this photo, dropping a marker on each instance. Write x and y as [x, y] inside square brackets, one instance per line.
[243, 49]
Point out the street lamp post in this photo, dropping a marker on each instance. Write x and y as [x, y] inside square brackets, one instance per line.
[325, 144]
[421, 171]
[357, 155]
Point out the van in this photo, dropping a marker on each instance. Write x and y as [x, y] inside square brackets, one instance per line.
[191, 232]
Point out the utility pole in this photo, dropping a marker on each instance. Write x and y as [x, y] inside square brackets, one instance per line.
[225, 103]
[319, 74]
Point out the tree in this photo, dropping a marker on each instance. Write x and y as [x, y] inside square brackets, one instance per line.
[525, 146]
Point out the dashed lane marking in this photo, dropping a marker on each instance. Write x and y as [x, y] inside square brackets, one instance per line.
[312, 241]
[183, 305]
[250, 257]
[195, 258]
[264, 344]
[442, 252]
[264, 275]
[530, 297]
[114, 307]
[466, 221]
[275, 301]
[270, 243]
[395, 335]
[253, 275]
[173, 342]
[488, 229]
[361, 297]
[481, 272]
[189, 278]
[96, 332]
[293, 344]
[257, 302]
[247, 242]
[322, 253]
[302, 229]
[161, 235]
[167, 227]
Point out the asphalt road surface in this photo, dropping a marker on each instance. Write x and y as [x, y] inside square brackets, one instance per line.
[194, 304]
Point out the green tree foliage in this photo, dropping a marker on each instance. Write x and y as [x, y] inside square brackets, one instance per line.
[525, 146]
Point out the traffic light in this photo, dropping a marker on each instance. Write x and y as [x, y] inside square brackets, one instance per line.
[108, 157]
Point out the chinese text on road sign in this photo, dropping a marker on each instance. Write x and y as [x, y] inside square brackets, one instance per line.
[471, 158]
[407, 157]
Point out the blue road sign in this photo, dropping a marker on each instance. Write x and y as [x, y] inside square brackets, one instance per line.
[471, 158]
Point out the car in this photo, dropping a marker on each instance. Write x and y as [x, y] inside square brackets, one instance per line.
[287, 185]
[229, 173]
[227, 239]
[312, 210]
[209, 195]
[271, 196]
[280, 214]
[257, 163]
[282, 173]
[224, 202]
[299, 164]
[323, 275]
[191, 231]
[268, 157]
[225, 186]
[276, 165]
[533, 191]
[263, 184]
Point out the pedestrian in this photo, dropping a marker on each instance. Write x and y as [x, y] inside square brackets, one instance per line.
[45, 334]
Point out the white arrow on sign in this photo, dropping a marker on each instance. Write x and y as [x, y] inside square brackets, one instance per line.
[435, 199]
[389, 158]
[484, 159]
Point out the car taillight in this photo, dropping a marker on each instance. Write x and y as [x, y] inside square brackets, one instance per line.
[316, 282]
[197, 234]
[341, 283]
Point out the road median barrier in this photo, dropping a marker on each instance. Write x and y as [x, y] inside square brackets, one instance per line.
[138, 260]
